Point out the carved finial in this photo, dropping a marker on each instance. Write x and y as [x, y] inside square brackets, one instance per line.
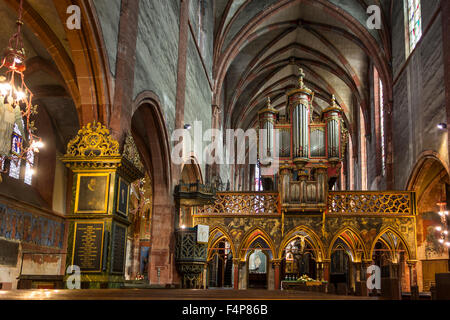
[269, 104]
[300, 79]
[333, 100]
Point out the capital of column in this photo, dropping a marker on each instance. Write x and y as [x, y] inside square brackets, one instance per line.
[411, 263]
[276, 262]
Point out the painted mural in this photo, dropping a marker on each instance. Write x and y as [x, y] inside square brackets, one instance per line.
[368, 229]
[30, 228]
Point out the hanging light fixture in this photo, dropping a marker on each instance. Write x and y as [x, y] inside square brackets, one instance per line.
[16, 107]
[442, 229]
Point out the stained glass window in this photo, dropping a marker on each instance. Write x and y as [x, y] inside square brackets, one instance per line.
[16, 148]
[258, 182]
[383, 146]
[15, 163]
[29, 168]
[414, 23]
[14, 167]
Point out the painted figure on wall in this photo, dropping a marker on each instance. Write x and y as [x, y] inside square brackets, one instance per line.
[31, 228]
[257, 262]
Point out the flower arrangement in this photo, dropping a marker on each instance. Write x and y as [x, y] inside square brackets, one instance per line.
[305, 278]
[139, 277]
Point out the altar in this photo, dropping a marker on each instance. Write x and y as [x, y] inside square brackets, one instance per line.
[314, 286]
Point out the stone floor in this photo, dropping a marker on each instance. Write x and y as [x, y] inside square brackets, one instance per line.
[169, 294]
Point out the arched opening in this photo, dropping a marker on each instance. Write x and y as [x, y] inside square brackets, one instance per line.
[430, 180]
[340, 273]
[346, 252]
[299, 258]
[191, 175]
[150, 135]
[220, 264]
[257, 251]
[257, 263]
[391, 254]
[139, 236]
[191, 172]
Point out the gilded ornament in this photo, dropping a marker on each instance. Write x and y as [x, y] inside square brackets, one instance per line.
[93, 140]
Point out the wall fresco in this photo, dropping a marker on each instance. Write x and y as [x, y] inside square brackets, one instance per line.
[367, 228]
[30, 228]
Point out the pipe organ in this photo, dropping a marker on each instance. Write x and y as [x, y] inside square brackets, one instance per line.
[310, 149]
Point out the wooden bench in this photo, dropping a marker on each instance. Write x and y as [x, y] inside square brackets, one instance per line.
[40, 282]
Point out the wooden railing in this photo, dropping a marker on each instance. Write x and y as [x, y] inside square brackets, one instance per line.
[374, 203]
[242, 203]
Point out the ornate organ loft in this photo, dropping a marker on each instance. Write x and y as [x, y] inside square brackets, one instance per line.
[296, 227]
[310, 148]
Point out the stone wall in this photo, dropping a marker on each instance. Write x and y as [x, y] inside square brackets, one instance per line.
[419, 93]
[157, 55]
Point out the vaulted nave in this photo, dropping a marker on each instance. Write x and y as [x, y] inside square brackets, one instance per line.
[224, 149]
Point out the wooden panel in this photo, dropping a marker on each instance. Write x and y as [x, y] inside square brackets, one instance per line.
[429, 269]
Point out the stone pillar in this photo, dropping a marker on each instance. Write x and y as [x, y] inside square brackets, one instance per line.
[205, 276]
[182, 61]
[413, 279]
[277, 266]
[358, 271]
[326, 270]
[120, 120]
[236, 266]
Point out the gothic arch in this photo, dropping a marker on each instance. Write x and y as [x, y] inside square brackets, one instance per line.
[353, 241]
[213, 240]
[315, 241]
[150, 135]
[411, 255]
[250, 237]
[191, 170]
[425, 161]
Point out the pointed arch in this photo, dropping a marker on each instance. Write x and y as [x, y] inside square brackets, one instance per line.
[352, 238]
[429, 167]
[253, 235]
[150, 134]
[390, 242]
[315, 241]
[191, 169]
[217, 234]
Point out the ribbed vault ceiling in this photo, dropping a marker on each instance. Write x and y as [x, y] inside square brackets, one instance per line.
[261, 44]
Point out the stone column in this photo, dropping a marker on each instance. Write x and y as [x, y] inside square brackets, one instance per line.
[205, 276]
[236, 266]
[352, 272]
[358, 271]
[277, 266]
[413, 279]
[326, 270]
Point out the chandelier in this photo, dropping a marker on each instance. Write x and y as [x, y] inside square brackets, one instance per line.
[16, 107]
[442, 229]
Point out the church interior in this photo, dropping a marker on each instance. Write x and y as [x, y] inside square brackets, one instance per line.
[340, 185]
